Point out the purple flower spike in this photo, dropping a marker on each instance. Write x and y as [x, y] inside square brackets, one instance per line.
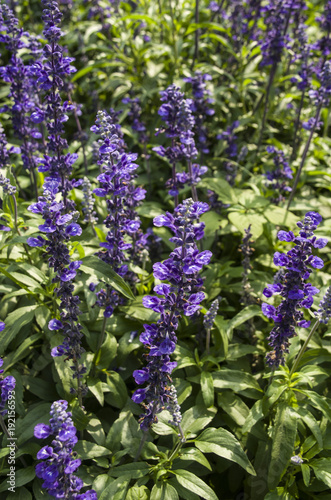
[294, 290]
[182, 295]
[60, 462]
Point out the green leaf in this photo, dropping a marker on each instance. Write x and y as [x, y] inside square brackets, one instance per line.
[21, 494]
[207, 388]
[138, 493]
[255, 414]
[133, 470]
[243, 316]
[224, 444]
[95, 386]
[118, 394]
[319, 402]
[242, 220]
[195, 455]
[95, 429]
[26, 425]
[305, 474]
[222, 341]
[14, 322]
[95, 267]
[163, 491]
[222, 188]
[193, 483]
[234, 406]
[279, 494]
[311, 424]
[196, 418]
[184, 357]
[22, 476]
[280, 217]
[21, 351]
[86, 449]
[284, 434]
[322, 469]
[137, 310]
[107, 352]
[235, 380]
[116, 490]
[21, 284]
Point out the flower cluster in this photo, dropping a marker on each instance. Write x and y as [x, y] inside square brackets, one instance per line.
[277, 179]
[50, 78]
[124, 235]
[88, 203]
[58, 228]
[324, 312]
[201, 107]
[231, 150]
[246, 250]
[275, 40]
[177, 114]
[209, 317]
[135, 116]
[22, 88]
[293, 288]
[182, 294]
[324, 43]
[59, 460]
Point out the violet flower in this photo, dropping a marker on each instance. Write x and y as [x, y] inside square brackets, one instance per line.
[277, 179]
[181, 294]
[293, 288]
[50, 78]
[59, 461]
[58, 227]
[324, 312]
[201, 107]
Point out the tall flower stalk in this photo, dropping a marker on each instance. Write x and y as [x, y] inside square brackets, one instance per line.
[293, 287]
[181, 294]
[58, 460]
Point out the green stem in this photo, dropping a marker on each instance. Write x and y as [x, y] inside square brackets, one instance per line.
[303, 348]
[142, 442]
[100, 342]
[208, 341]
[297, 177]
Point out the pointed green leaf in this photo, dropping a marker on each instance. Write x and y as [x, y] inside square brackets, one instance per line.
[207, 388]
[284, 434]
[224, 444]
[163, 491]
[194, 483]
[93, 266]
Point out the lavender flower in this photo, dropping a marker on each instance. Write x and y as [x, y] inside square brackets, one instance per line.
[277, 179]
[59, 460]
[50, 78]
[176, 112]
[88, 203]
[201, 107]
[231, 151]
[324, 313]
[276, 19]
[209, 317]
[135, 116]
[58, 228]
[124, 236]
[294, 289]
[324, 43]
[182, 294]
[247, 250]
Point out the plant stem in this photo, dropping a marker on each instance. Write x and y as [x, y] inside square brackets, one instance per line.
[100, 342]
[296, 127]
[208, 341]
[142, 442]
[303, 348]
[297, 177]
[197, 34]
[271, 79]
